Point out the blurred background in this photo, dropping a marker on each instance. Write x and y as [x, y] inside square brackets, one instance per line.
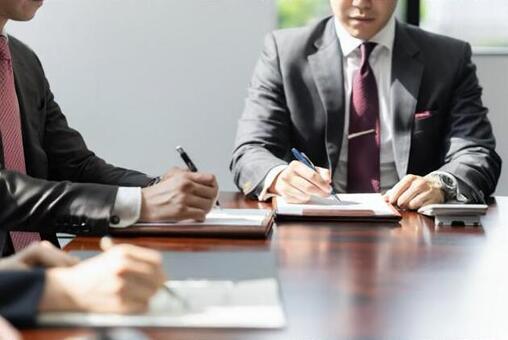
[139, 77]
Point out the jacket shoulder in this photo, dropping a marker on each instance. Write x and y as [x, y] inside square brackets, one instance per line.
[23, 53]
[301, 41]
[429, 41]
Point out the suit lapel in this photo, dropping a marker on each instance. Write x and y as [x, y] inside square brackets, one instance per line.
[407, 70]
[327, 70]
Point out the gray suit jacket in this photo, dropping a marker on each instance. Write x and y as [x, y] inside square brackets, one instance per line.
[296, 99]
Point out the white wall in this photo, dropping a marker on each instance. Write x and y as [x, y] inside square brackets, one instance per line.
[493, 74]
[139, 77]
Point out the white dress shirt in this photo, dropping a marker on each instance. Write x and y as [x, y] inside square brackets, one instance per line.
[380, 61]
[127, 205]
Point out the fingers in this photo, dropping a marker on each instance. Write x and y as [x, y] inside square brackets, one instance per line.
[142, 254]
[139, 273]
[412, 192]
[200, 184]
[399, 188]
[291, 193]
[325, 174]
[310, 175]
[297, 183]
[202, 178]
[46, 255]
[186, 195]
[202, 190]
[418, 185]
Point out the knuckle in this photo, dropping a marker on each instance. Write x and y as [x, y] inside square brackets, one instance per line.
[305, 199]
[186, 185]
[293, 165]
[180, 208]
[120, 290]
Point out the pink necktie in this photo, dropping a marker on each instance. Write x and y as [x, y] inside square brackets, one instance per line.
[364, 137]
[10, 130]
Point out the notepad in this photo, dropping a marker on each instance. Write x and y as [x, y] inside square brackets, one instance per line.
[353, 207]
[218, 222]
[224, 289]
[201, 304]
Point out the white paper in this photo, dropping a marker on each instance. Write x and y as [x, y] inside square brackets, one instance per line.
[225, 304]
[374, 202]
[223, 217]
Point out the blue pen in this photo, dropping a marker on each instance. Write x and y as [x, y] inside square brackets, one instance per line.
[301, 157]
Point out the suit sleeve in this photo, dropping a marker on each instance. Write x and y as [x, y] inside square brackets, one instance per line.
[21, 292]
[263, 133]
[470, 148]
[70, 159]
[77, 208]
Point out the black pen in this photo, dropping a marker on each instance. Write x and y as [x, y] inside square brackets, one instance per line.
[190, 164]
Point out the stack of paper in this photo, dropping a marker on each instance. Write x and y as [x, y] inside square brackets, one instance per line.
[353, 207]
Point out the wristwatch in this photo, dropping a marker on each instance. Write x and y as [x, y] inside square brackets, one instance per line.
[446, 182]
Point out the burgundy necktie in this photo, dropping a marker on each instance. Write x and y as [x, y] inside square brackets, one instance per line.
[10, 128]
[364, 134]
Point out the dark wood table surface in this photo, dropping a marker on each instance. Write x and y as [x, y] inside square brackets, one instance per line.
[344, 280]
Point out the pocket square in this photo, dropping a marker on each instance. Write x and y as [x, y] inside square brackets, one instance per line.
[423, 115]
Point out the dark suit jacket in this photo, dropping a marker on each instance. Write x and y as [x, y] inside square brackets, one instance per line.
[20, 293]
[67, 187]
[296, 99]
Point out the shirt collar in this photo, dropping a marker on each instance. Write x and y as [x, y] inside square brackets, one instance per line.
[348, 43]
[4, 33]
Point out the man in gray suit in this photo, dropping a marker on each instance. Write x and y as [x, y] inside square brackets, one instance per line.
[377, 105]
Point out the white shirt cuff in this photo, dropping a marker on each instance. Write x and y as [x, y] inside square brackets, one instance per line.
[270, 177]
[127, 207]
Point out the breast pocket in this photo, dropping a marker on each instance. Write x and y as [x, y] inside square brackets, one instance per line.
[426, 123]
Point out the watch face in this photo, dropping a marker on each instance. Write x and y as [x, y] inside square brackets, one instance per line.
[447, 181]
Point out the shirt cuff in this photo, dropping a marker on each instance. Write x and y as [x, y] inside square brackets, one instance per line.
[270, 177]
[127, 207]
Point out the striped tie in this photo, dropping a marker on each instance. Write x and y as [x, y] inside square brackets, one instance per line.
[10, 131]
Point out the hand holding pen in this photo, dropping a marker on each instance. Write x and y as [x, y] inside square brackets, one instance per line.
[299, 181]
[190, 165]
[300, 156]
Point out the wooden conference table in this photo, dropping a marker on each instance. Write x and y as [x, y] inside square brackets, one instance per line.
[406, 281]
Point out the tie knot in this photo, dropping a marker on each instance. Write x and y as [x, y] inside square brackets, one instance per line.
[5, 54]
[366, 48]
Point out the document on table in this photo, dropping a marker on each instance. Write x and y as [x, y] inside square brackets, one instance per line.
[351, 207]
[225, 217]
[210, 304]
[218, 222]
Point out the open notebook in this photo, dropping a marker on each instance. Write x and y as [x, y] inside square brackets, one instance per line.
[208, 289]
[219, 222]
[353, 207]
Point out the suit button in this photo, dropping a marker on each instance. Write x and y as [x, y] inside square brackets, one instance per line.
[114, 219]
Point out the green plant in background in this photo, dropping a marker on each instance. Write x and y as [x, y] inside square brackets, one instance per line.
[299, 12]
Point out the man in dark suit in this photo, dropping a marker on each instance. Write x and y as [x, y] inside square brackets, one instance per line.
[376, 104]
[43, 278]
[50, 181]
